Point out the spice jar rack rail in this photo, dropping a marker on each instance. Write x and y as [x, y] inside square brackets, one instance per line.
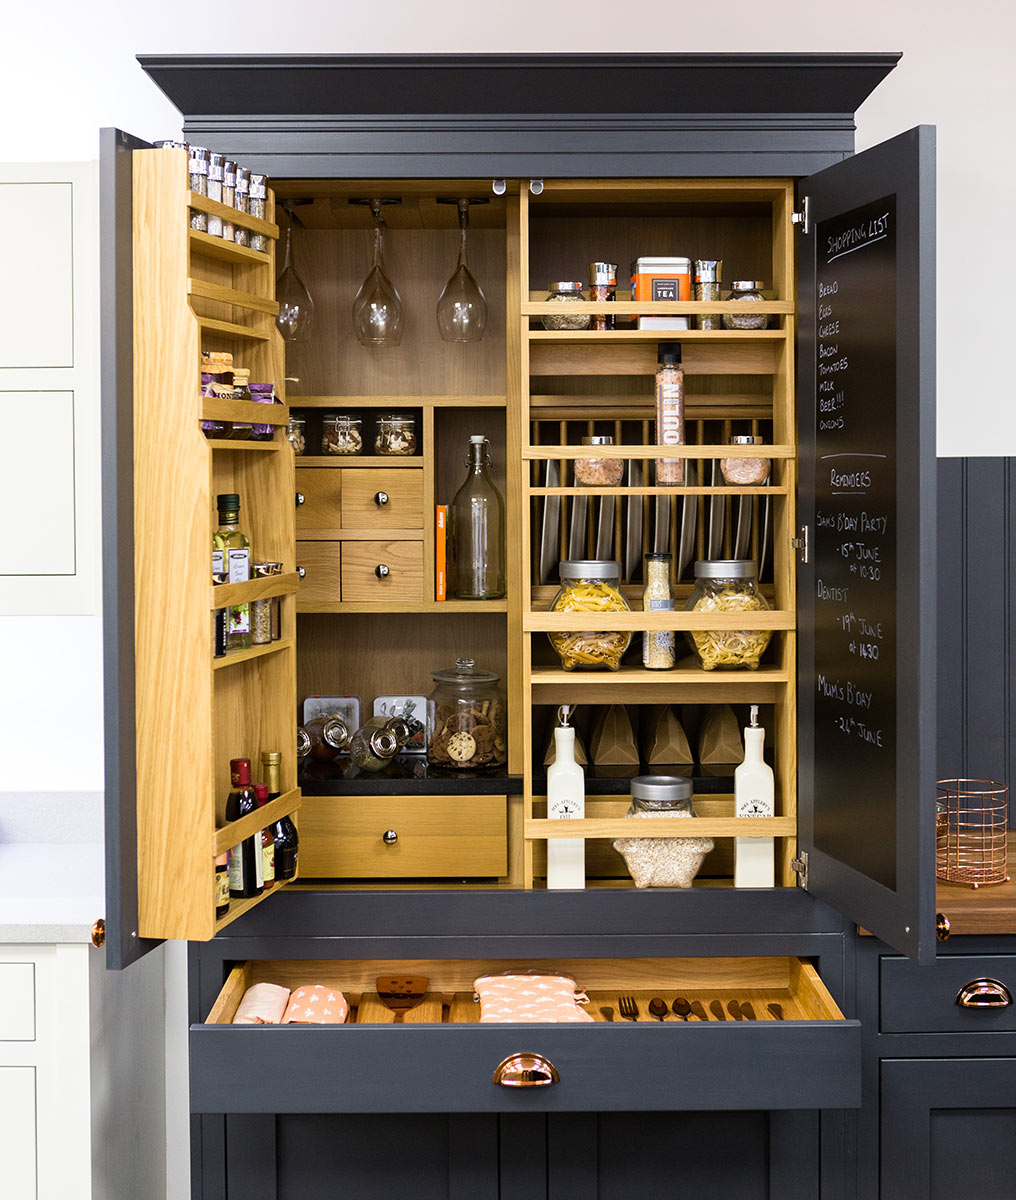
[227, 212]
[645, 453]
[235, 832]
[731, 490]
[347, 461]
[405, 606]
[231, 658]
[206, 290]
[223, 594]
[608, 336]
[209, 246]
[399, 401]
[764, 680]
[616, 622]
[539, 828]
[215, 409]
[640, 406]
[212, 326]
[625, 308]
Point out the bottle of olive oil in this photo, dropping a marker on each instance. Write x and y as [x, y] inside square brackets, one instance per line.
[231, 557]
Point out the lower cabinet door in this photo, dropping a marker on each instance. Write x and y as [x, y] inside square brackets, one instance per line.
[441, 1058]
[948, 1128]
[382, 572]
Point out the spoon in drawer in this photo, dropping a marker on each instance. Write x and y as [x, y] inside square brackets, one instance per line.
[658, 1008]
[682, 1008]
[400, 993]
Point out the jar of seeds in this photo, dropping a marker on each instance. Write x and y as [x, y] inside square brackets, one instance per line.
[241, 202]
[708, 272]
[570, 294]
[745, 472]
[662, 862]
[258, 207]
[750, 292]
[215, 173]
[198, 168]
[228, 197]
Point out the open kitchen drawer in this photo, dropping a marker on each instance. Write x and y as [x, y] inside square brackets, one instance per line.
[441, 1059]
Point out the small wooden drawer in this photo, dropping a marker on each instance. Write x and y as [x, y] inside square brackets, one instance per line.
[440, 1058]
[321, 562]
[916, 999]
[382, 571]
[382, 500]
[318, 501]
[350, 837]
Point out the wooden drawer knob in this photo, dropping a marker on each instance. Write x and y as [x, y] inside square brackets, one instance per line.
[526, 1069]
[984, 993]
[380, 499]
[382, 571]
[390, 837]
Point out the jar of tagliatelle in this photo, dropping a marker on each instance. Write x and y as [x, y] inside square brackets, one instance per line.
[727, 585]
[590, 586]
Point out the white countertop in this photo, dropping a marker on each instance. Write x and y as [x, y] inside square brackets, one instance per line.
[50, 892]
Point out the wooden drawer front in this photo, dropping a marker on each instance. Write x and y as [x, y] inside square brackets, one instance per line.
[17, 1002]
[320, 511]
[342, 837]
[321, 561]
[382, 499]
[810, 1060]
[404, 580]
[916, 999]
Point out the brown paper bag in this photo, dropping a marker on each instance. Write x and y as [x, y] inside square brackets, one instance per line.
[720, 736]
[613, 743]
[667, 741]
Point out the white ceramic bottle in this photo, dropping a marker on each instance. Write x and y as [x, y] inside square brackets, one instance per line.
[566, 800]
[754, 796]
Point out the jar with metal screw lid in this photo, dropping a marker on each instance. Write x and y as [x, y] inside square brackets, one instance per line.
[377, 741]
[708, 273]
[744, 472]
[566, 293]
[599, 472]
[749, 291]
[590, 586]
[466, 719]
[603, 287]
[241, 202]
[258, 207]
[662, 862]
[727, 585]
[198, 171]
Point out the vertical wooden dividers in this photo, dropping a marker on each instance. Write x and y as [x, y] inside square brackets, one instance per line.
[429, 500]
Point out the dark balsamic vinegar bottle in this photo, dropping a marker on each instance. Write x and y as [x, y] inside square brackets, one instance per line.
[245, 858]
[287, 840]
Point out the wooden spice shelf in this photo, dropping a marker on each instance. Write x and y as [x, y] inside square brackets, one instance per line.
[405, 606]
[231, 658]
[359, 460]
[223, 594]
[756, 687]
[607, 622]
[625, 308]
[215, 408]
[236, 831]
[210, 246]
[396, 402]
[538, 828]
[643, 453]
[227, 295]
[244, 444]
[763, 490]
[211, 325]
[614, 336]
[227, 212]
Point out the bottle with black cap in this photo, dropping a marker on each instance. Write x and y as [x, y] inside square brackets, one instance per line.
[669, 412]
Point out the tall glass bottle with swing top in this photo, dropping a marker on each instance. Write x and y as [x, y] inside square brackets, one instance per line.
[476, 558]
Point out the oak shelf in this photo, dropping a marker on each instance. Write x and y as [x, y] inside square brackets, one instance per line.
[210, 246]
[231, 658]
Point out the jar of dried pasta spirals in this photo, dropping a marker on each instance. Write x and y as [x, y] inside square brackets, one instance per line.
[727, 585]
[590, 586]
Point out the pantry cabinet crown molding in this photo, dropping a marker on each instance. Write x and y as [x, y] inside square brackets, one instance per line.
[638, 115]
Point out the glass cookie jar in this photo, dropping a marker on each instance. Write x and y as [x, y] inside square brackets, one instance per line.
[662, 862]
[590, 586]
[727, 585]
[466, 718]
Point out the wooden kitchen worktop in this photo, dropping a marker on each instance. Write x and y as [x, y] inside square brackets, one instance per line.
[989, 909]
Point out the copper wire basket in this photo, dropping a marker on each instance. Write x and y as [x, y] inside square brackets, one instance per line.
[971, 831]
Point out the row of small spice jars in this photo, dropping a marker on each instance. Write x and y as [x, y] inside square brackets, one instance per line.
[219, 178]
[341, 434]
[608, 472]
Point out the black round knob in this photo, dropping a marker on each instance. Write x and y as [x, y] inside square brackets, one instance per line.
[381, 571]
[302, 572]
[389, 837]
[300, 498]
[380, 499]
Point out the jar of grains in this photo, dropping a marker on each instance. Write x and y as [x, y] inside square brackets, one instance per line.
[590, 586]
[341, 434]
[658, 644]
[466, 719]
[599, 472]
[744, 472]
[748, 290]
[396, 434]
[726, 585]
[662, 862]
[566, 293]
[296, 433]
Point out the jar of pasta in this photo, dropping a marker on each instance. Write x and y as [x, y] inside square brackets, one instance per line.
[727, 585]
[590, 586]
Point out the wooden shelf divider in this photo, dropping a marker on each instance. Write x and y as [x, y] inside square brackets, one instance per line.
[623, 827]
[231, 329]
[226, 295]
[215, 247]
[224, 594]
[233, 657]
[236, 831]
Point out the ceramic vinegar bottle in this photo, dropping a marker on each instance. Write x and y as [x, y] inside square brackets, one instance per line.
[566, 800]
[754, 796]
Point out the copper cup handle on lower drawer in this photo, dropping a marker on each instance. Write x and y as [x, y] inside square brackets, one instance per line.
[526, 1069]
[984, 993]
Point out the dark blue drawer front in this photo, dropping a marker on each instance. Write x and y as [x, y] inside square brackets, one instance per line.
[923, 999]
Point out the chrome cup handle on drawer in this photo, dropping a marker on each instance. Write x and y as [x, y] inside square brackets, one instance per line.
[380, 499]
[382, 571]
[526, 1069]
[984, 993]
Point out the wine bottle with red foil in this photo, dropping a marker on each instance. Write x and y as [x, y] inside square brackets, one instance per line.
[287, 840]
[221, 885]
[245, 865]
[266, 840]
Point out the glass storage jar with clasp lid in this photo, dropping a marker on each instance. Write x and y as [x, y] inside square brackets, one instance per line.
[590, 586]
[727, 585]
[750, 292]
[341, 433]
[662, 862]
[396, 434]
[296, 433]
[466, 718]
[567, 293]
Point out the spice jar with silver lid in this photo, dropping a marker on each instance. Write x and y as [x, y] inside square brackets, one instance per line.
[727, 585]
[327, 736]
[215, 174]
[198, 171]
[599, 472]
[566, 293]
[377, 741]
[745, 472]
[396, 434]
[603, 287]
[662, 862]
[241, 202]
[228, 197]
[257, 206]
[466, 718]
[708, 274]
[749, 291]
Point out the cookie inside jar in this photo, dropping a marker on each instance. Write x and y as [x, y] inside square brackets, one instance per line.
[466, 718]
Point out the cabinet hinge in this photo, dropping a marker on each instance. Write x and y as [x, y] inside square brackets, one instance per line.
[800, 865]
[802, 218]
[800, 544]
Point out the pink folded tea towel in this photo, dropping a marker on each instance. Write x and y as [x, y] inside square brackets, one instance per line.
[529, 996]
[315, 1004]
[262, 1004]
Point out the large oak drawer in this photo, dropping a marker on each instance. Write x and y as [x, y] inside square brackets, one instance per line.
[382, 571]
[403, 837]
[923, 999]
[443, 1060]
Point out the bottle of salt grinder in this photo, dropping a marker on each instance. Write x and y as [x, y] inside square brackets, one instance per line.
[754, 796]
[669, 411]
[566, 800]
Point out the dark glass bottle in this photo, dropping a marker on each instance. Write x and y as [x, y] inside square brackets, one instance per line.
[287, 840]
[245, 879]
[221, 885]
[476, 569]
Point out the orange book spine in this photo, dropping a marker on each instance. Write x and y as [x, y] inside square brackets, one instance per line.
[441, 552]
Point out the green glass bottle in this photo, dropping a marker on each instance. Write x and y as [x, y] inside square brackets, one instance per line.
[231, 557]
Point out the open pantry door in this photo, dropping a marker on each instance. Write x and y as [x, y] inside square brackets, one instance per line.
[867, 590]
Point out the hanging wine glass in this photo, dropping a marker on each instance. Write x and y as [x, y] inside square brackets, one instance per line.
[378, 315]
[296, 308]
[462, 306]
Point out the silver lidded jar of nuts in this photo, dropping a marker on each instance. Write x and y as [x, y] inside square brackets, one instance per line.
[341, 433]
[396, 434]
[662, 862]
[296, 433]
[745, 472]
[599, 472]
[566, 293]
[466, 719]
[750, 292]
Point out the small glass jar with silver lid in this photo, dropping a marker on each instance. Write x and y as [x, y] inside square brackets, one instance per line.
[727, 585]
[241, 202]
[198, 172]
[745, 472]
[662, 862]
[749, 291]
[566, 292]
[708, 275]
[603, 287]
[599, 472]
[258, 207]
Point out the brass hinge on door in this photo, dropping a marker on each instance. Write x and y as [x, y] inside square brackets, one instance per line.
[802, 218]
[800, 544]
[800, 865]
